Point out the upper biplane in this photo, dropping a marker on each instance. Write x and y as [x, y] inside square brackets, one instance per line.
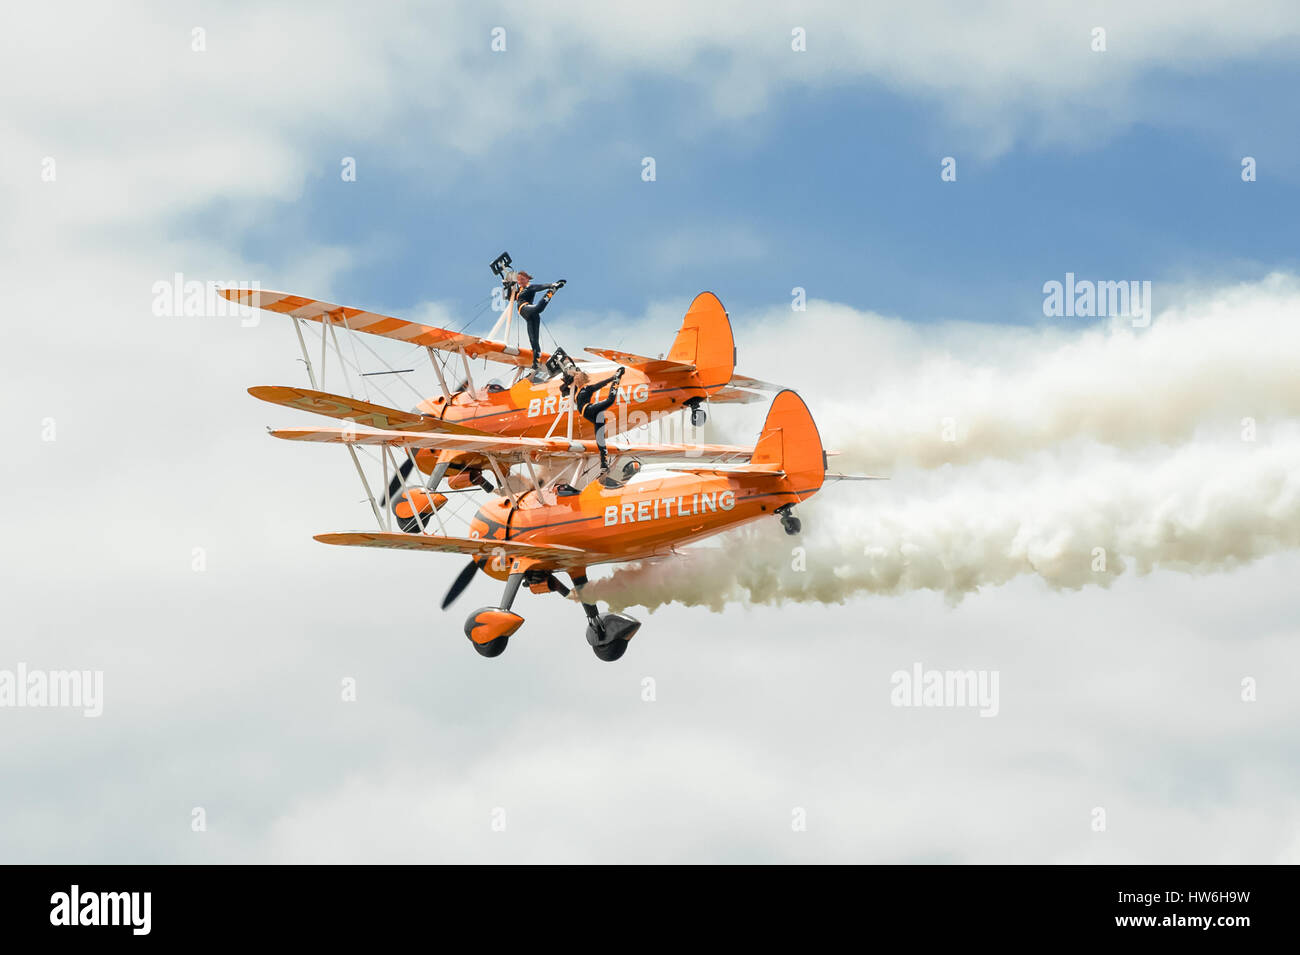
[699, 367]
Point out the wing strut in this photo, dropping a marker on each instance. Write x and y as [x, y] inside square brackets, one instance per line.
[306, 359]
[437, 370]
[366, 484]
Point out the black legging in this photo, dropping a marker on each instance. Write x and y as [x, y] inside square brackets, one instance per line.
[532, 315]
[594, 411]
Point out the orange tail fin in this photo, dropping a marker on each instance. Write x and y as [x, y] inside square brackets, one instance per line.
[705, 341]
[790, 439]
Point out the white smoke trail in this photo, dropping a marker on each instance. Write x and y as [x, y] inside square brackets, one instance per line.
[892, 393]
[1077, 456]
[1082, 518]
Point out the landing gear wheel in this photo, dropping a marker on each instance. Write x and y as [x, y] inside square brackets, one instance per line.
[698, 416]
[609, 633]
[791, 524]
[611, 651]
[493, 648]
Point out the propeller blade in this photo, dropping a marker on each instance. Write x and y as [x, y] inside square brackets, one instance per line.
[395, 484]
[460, 583]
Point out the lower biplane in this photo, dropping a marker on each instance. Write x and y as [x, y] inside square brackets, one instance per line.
[566, 524]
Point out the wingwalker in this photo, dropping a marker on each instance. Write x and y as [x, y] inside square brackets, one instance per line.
[562, 503]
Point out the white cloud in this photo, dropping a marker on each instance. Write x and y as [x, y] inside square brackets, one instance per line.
[142, 126]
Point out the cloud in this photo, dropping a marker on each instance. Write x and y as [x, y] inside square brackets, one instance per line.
[893, 394]
[142, 125]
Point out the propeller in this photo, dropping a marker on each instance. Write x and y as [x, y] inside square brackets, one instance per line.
[460, 583]
[395, 484]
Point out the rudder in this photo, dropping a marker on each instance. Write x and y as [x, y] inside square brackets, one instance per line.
[790, 439]
[705, 341]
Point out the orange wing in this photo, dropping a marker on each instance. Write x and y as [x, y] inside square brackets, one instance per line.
[545, 556]
[362, 412]
[359, 320]
[514, 450]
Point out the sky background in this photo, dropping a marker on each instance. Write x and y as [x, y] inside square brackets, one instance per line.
[775, 169]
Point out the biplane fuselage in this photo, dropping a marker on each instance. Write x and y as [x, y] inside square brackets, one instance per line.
[530, 410]
[646, 518]
[649, 517]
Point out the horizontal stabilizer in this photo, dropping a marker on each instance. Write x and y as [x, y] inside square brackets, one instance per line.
[744, 381]
[736, 396]
[743, 390]
[756, 470]
[651, 366]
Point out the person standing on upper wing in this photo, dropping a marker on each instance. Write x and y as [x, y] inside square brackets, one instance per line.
[594, 411]
[531, 312]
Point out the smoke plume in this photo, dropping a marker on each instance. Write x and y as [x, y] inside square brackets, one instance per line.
[1075, 459]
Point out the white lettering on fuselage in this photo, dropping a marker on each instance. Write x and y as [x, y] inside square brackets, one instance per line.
[557, 404]
[658, 508]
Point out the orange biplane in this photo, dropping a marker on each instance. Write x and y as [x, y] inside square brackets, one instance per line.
[552, 528]
[698, 368]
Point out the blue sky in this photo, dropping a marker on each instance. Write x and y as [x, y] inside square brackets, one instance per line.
[835, 190]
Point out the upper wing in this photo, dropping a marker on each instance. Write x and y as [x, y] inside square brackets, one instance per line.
[513, 450]
[549, 555]
[359, 320]
[352, 409]
[650, 366]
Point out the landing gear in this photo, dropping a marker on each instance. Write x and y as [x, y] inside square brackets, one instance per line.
[607, 633]
[415, 509]
[698, 414]
[611, 651]
[493, 648]
[791, 523]
[489, 628]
